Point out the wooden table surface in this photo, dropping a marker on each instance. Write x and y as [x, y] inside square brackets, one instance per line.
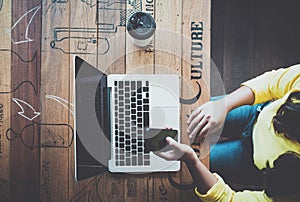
[38, 42]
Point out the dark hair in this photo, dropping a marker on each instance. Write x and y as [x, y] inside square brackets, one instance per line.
[283, 179]
[287, 119]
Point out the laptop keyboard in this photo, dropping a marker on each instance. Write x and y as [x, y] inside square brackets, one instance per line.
[131, 102]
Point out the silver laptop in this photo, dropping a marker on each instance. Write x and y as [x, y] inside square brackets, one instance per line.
[119, 119]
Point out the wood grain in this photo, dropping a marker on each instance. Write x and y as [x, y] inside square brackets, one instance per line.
[55, 87]
[5, 99]
[167, 61]
[196, 68]
[25, 70]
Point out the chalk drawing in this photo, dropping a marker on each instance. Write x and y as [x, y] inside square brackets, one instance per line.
[32, 11]
[22, 104]
[63, 102]
[32, 84]
[43, 135]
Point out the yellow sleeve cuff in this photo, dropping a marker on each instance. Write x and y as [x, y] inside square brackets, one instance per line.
[218, 192]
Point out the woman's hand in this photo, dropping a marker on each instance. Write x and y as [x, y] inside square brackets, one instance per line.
[177, 151]
[206, 119]
[202, 177]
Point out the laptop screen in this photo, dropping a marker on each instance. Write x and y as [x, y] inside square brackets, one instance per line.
[92, 145]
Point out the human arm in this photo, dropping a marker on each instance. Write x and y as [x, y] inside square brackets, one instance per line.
[209, 117]
[274, 84]
[209, 186]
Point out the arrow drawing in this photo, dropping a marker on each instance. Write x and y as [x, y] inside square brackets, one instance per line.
[19, 103]
[63, 102]
[27, 39]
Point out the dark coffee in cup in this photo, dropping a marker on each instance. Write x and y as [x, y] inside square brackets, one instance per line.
[141, 27]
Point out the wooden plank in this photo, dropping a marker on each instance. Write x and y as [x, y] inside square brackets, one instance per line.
[5, 98]
[275, 46]
[195, 68]
[217, 45]
[238, 43]
[25, 35]
[168, 17]
[112, 15]
[139, 60]
[55, 125]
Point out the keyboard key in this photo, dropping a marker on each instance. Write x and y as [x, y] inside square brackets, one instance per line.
[121, 134]
[134, 161]
[146, 119]
[145, 89]
[128, 162]
[146, 107]
[140, 159]
[139, 84]
[121, 84]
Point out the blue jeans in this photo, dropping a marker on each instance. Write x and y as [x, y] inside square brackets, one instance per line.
[233, 158]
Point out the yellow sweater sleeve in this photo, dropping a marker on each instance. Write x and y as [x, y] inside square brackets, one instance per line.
[221, 192]
[274, 84]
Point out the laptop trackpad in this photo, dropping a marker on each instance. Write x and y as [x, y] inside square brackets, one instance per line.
[162, 117]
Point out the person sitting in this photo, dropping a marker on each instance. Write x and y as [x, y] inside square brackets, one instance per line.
[260, 125]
